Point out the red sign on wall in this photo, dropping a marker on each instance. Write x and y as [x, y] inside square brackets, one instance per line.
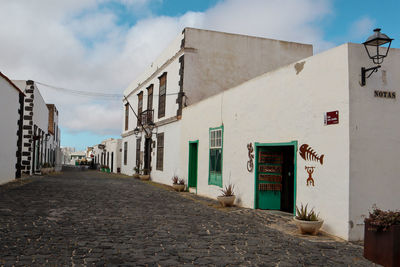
[331, 117]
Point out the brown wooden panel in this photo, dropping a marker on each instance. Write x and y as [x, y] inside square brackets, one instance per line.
[270, 168]
[270, 178]
[265, 157]
[270, 187]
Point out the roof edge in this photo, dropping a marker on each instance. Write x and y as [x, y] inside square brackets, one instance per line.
[11, 83]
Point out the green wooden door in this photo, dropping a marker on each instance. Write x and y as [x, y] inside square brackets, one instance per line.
[269, 178]
[193, 152]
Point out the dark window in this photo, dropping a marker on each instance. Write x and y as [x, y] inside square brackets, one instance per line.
[125, 153]
[138, 152]
[150, 97]
[126, 116]
[160, 151]
[140, 105]
[162, 95]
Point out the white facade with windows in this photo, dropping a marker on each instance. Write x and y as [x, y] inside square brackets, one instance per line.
[41, 134]
[341, 169]
[197, 65]
[109, 153]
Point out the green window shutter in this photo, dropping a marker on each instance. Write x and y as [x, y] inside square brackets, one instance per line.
[215, 156]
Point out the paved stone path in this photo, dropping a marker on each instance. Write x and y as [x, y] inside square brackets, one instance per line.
[90, 218]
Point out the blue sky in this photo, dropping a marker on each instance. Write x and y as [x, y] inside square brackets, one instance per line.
[103, 45]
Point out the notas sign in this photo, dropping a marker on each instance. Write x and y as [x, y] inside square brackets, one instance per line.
[385, 94]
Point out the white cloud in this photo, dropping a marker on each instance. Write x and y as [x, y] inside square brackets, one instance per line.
[76, 44]
[361, 28]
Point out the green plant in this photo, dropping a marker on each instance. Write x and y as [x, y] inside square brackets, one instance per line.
[304, 215]
[181, 182]
[146, 171]
[46, 165]
[175, 179]
[228, 191]
[136, 169]
[382, 220]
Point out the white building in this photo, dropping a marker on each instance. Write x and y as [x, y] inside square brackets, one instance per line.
[197, 65]
[66, 154]
[41, 135]
[11, 103]
[109, 153]
[319, 137]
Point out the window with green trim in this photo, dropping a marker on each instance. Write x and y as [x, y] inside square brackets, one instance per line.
[215, 165]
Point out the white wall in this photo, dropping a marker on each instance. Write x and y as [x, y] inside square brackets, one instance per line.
[40, 111]
[281, 106]
[217, 61]
[114, 146]
[9, 103]
[374, 138]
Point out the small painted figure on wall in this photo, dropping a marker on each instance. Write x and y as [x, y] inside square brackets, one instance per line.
[310, 171]
[250, 164]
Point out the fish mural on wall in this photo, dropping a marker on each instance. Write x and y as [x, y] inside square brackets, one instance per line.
[307, 153]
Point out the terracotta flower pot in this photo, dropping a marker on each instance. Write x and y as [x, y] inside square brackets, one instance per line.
[308, 227]
[144, 177]
[136, 175]
[178, 187]
[226, 201]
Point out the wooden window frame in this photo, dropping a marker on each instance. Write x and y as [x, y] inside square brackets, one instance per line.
[162, 96]
[126, 116]
[160, 151]
[150, 90]
[216, 145]
[140, 106]
[125, 153]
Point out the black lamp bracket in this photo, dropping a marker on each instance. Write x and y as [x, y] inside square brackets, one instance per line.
[365, 71]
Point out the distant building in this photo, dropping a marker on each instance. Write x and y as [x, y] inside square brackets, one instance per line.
[41, 135]
[11, 104]
[66, 154]
[108, 153]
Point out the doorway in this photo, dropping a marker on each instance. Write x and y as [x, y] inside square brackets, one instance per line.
[112, 161]
[193, 163]
[275, 176]
[147, 154]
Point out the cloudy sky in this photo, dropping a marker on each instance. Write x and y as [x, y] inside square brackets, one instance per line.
[102, 45]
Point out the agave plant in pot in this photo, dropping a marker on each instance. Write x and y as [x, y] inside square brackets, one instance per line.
[136, 174]
[145, 175]
[228, 197]
[308, 222]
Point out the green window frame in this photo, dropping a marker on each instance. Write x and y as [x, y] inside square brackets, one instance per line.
[216, 144]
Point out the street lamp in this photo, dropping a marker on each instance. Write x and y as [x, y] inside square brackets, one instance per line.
[136, 131]
[372, 47]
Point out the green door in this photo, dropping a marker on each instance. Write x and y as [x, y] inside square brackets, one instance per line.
[193, 153]
[269, 178]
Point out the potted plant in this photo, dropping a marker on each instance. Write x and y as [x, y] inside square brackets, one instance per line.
[107, 169]
[136, 174]
[382, 237]
[45, 168]
[178, 184]
[145, 175]
[308, 222]
[228, 197]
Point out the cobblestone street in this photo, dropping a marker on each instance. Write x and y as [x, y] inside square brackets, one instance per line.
[91, 218]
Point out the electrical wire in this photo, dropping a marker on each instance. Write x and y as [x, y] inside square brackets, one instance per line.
[89, 94]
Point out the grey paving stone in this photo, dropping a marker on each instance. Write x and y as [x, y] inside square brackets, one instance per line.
[96, 219]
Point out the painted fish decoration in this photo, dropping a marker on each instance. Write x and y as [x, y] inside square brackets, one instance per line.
[307, 153]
